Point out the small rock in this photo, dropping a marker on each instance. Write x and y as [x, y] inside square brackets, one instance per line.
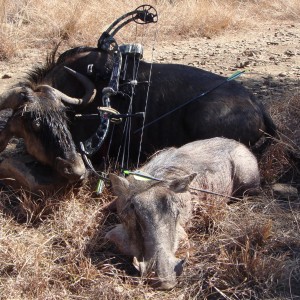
[6, 76]
[243, 64]
[251, 52]
[289, 53]
[282, 75]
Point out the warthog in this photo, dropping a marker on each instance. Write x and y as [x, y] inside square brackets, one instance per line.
[154, 213]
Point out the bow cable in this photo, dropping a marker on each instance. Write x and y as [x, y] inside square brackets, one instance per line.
[147, 97]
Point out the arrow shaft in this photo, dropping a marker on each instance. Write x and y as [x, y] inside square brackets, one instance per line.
[233, 76]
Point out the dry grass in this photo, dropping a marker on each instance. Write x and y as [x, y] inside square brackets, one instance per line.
[283, 155]
[53, 247]
[60, 253]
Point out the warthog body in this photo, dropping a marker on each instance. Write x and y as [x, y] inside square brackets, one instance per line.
[154, 213]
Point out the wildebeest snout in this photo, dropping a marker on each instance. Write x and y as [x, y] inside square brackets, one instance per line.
[71, 169]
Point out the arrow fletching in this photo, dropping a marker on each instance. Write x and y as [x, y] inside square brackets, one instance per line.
[236, 75]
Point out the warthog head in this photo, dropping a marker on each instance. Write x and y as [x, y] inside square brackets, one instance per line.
[152, 219]
[39, 117]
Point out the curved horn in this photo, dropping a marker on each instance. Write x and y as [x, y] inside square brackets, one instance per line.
[89, 88]
[13, 98]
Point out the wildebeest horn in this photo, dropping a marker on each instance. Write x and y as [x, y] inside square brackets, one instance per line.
[90, 91]
[12, 98]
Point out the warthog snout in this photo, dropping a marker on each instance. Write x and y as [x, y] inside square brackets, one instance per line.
[161, 271]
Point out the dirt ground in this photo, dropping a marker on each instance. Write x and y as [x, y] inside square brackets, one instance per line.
[270, 54]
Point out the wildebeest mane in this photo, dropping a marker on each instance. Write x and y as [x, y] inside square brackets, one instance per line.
[71, 52]
[37, 74]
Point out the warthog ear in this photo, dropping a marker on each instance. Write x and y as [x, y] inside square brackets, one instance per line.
[180, 185]
[119, 184]
[120, 187]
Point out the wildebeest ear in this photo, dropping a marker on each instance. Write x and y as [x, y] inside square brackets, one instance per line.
[180, 185]
[119, 185]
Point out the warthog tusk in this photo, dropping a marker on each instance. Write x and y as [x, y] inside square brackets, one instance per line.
[136, 263]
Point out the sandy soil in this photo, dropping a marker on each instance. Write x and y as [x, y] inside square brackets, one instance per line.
[270, 53]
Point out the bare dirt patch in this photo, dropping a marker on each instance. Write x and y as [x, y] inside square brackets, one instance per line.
[269, 53]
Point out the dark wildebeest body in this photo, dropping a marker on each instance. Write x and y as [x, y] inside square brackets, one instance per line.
[229, 111]
[154, 213]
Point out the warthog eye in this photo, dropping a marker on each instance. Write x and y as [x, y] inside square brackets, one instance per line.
[36, 125]
[131, 205]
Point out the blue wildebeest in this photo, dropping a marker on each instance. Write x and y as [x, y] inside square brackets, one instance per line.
[45, 104]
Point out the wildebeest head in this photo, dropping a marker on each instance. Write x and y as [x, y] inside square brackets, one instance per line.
[39, 117]
[152, 216]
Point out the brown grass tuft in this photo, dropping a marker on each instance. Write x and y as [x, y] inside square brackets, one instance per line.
[282, 156]
[244, 250]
